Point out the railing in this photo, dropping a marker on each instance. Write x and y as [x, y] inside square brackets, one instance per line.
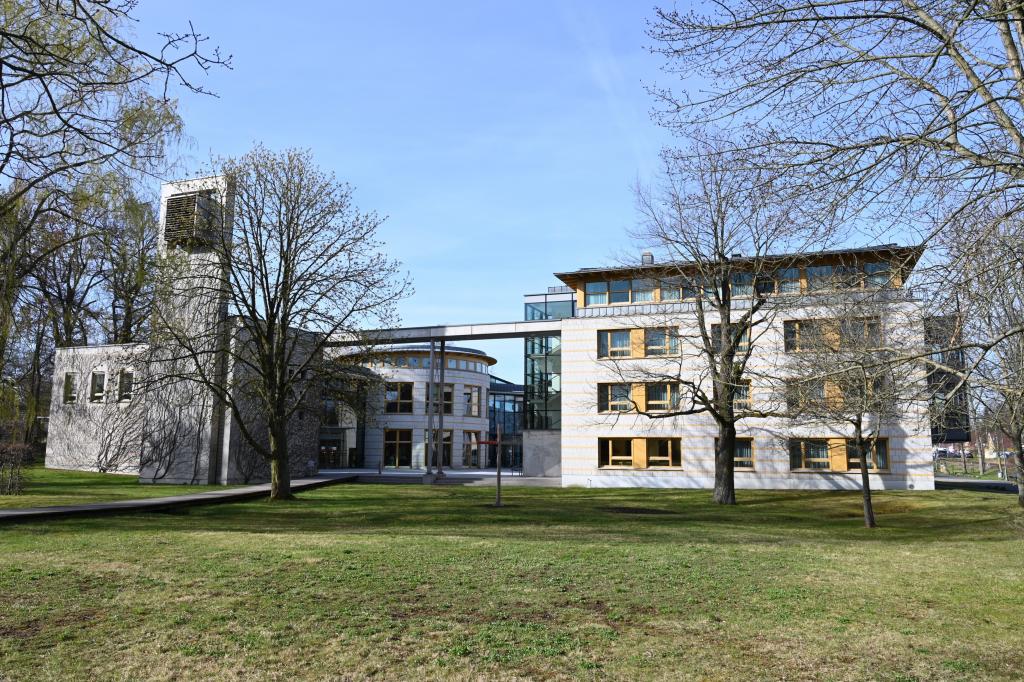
[809, 299]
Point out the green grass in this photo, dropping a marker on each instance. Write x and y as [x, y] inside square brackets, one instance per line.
[413, 582]
[954, 467]
[52, 487]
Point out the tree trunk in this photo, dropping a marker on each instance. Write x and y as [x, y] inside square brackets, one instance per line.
[725, 484]
[1019, 454]
[865, 482]
[280, 476]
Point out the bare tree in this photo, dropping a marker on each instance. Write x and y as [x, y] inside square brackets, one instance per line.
[993, 311]
[723, 228]
[128, 247]
[78, 99]
[898, 105]
[78, 94]
[295, 263]
[846, 371]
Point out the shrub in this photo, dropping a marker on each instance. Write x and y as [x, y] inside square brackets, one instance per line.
[12, 457]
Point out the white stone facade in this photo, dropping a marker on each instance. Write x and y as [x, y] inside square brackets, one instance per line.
[909, 444]
[466, 372]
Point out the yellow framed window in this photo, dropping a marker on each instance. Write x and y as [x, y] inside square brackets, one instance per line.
[809, 453]
[615, 452]
[664, 452]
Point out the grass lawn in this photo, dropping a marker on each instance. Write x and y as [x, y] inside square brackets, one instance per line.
[413, 582]
[49, 487]
[954, 467]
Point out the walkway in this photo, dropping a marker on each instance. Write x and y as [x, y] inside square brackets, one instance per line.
[469, 477]
[977, 484]
[172, 502]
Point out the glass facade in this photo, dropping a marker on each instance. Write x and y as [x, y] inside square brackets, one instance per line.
[543, 359]
[505, 408]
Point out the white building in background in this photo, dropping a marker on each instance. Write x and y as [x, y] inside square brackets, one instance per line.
[101, 419]
[632, 322]
[579, 424]
[401, 415]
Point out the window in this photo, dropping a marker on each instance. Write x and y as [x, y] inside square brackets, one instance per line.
[71, 387]
[742, 284]
[414, 362]
[125, 385]
[662, 397]
[692, 287]
[804, 335]
[664, 452]
[97, 387]
[877, 275]
[471, 397]
[613, 344]
[619, 291]
[879, 459]
[809, 453]
[471, 448]
[661, 341]
[643, 290]
[764, 285]
[819, 277]
[741, 395]
[788, 280]
[742, 453]
[742, 344]
[596, 293]
[398, 398]
[397, 448]
[615, 452]
[614, 398]
[847, 276]
[463, 365]
[865, 333]
[449, 397]
[671, 289]
[446, 446]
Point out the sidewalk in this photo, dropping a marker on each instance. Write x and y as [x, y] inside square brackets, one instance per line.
[964, 483]
[173, 502]
[468, 477]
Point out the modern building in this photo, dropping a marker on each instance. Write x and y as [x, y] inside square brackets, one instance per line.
[174, 431]
[408, 412]
[575, 417]
[633, 321]
[505, 423]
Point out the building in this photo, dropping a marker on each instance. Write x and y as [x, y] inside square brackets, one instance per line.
[114, 415]
[407, 412]
[951, 420]
[642, 316]
[574, 417]
[505, 422]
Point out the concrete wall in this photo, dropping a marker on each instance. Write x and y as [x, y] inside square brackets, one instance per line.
[542, 453]
[91, 434]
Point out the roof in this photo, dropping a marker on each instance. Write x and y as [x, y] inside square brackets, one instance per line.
[911, 253]
[420, 348]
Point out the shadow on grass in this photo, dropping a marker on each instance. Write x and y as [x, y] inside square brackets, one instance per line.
[599, 516]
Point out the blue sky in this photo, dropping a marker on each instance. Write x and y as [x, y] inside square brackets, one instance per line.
[502, 141]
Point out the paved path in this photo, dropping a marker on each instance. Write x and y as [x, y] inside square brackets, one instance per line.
[467, 477]
[172, 502]
[981, 485]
